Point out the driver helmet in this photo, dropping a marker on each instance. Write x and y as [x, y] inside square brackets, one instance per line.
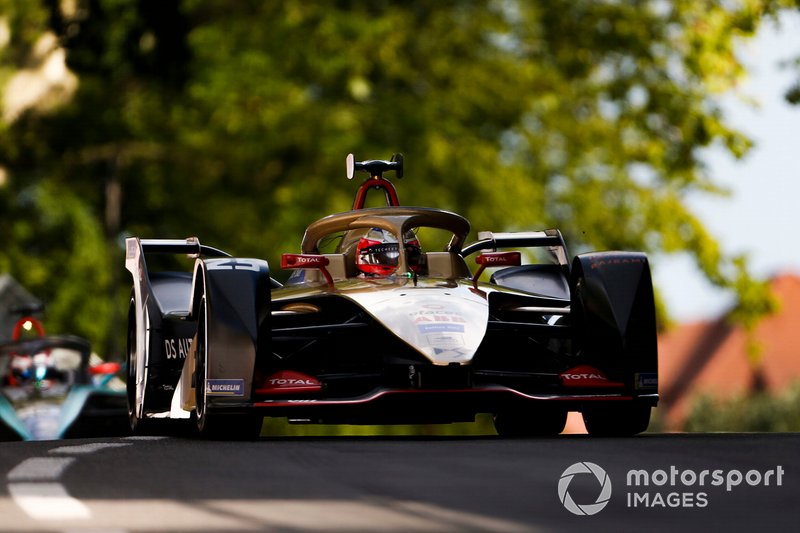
[378, 252]
[21, 370]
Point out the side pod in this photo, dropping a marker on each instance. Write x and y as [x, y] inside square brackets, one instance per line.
[613, 313]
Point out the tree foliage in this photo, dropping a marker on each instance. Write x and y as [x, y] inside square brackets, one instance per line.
[754, 411]
[230, 121]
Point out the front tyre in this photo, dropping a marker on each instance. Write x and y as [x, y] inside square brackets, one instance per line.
[216, 426]
[617, 420]
[200, 341]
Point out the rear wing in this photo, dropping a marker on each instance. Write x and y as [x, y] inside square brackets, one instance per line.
[550, 239]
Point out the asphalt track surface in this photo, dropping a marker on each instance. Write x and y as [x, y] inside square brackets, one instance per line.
[400, 484]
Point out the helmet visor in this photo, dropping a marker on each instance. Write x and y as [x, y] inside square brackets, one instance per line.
[379, 252]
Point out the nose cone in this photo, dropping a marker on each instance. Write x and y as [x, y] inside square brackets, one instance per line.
[445, 325]
[41, 420]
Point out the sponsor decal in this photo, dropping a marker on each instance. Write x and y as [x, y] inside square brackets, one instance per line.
[289, 381]
[441, 328]
[225, 387]
[451, 353]
[382, 248]
[499, 259]
[646, 380]
[177, 348]
[445, 341]
[595, 264]
[303, 261]
[430, 316]
[587, 376]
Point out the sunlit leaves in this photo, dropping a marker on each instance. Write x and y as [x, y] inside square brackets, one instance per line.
[231, 121]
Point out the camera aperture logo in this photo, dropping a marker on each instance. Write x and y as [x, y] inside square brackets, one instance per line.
[589, 508]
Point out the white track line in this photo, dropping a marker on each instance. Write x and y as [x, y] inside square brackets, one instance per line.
[40, 469]
[47, 501]
[34, 488]
[89, 448]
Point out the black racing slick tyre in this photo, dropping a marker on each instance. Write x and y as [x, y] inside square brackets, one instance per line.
[539, 423]
[210, 425]
[620, 419]
[137, 424]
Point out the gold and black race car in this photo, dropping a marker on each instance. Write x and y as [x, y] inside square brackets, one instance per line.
[387, 318]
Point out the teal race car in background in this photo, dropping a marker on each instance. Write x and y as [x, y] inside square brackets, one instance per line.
[52, 387]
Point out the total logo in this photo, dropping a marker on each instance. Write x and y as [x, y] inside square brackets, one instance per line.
[587, 376]
[290, 381]
[584, 376]
[301, 260]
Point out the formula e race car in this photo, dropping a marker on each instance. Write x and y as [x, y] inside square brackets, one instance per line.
[50, 388]
[370, 328]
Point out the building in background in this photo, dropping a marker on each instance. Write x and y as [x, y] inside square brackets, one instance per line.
[710, 357]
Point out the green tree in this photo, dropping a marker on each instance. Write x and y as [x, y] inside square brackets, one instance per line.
[752, 411]
[230, 121]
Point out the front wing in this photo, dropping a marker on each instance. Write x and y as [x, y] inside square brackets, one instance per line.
[428, 406]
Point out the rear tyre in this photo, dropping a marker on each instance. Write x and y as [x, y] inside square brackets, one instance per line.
[539, 423]
[216, 426]
[617, 420]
